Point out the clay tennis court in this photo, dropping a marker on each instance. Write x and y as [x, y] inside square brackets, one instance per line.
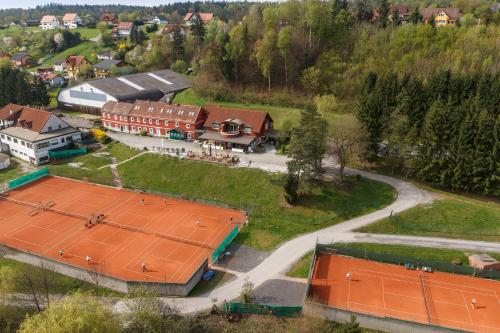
[386, 290]
[173, 238]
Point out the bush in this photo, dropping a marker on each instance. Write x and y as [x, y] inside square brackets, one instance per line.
[179, 66]
[99, 135]
[143, 133]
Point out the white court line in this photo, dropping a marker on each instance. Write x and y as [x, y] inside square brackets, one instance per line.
[467, 307]
[383, 292]
[130, 83]
[154, 76]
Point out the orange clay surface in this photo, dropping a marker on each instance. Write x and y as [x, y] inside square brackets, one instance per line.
[162, 235]
[392, 291]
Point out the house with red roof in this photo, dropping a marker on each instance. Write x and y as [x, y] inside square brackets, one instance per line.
[204, 17]
[122, 30]
[74, 65]
[49, 22]
[110, 19]
[71, 20]
[442, 16]
[170, 29]
[29, 134]
[214, 126]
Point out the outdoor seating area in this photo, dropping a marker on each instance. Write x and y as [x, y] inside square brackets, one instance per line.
[220, 158]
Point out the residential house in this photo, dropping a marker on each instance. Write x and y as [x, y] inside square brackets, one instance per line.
[75, 64]
[105, 55]
[402, 11]
[235, 129]
[20, 60]
[109, 18]
[30, 133]
[170, 29]
[155, 19]
[204, 17]
[71, 20]
[122, 30]
[103, 69]
[177, 122]
[442, 16]
[216, 127]
[49, 22]
[59, 66]
[52, 80]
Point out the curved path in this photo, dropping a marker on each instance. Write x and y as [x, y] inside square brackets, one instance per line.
[291, 251]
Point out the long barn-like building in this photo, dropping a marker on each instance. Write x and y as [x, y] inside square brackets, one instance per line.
[90, 96]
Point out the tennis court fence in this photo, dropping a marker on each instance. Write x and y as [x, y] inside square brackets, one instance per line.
[254, 308]
[225, 243]
[402, 260]
[28, 178]
[59, 154]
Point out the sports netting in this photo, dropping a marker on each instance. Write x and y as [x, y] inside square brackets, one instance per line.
[30, 177]
[225, 243]
[254, 308]
[58, 154]
[402, 260]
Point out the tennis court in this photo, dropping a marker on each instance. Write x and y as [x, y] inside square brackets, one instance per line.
[385, 290]
[124, 234]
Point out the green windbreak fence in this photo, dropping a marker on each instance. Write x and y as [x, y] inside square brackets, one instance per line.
[28, 178]
[401, 260]
[224, 244]
[67, 153]
[252, 308]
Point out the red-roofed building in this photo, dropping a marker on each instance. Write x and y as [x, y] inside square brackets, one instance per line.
[49, 22]
[75, 64]
[71, 20]
[170, 29]
[29, 133]
[442, 16]
[122, 30]
[109, 18]
[204, 17]
[219, 127]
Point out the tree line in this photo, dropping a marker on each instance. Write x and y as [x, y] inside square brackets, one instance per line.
[15, 87]
[444, 129]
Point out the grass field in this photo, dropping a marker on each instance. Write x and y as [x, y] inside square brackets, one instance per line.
[11, 274]
[86, 49]
[87, 33]
[91, 164]
[301, 268]
[450, 216]
[279, 114]
[12, 172]
[271, 220]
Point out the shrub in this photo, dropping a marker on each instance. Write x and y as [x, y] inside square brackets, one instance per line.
[99, 135]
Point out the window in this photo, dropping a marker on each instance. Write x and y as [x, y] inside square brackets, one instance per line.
[191, 113]
[15, 140]
[215, 125]
[104, 114]
[157, 122]
[188, 125]
[150, 109]
[2, 136]
[29, 145]
[137, 107]
[115, 117]
[144, 120]
[151, 130]
[181, 112]
[62, 140]
[150, 121]
[109, 116]
[50, 128]
[177, 124]
[131, 118]
[42, 145]
[125, 118]
[166, 122]
[158, 131]
[133, 128]
[121, 118]
[139, 129]
[248, 129]
[189, 135]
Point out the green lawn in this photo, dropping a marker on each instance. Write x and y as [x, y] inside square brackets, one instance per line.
[451, 216]
[10, 270]
[271, 220]
[205, 286]
[86, 49]
[12, 172]
[301, 268]
[279, 114]
[121, 151]
[87, 32]
[53, 97]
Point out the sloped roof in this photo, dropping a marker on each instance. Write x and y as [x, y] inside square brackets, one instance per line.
[25, 116]
[205, 17]
[75, 60]
[48, 19]
[171, 27]
[252, 118]
[157, 110]
[108, 17]
[453, 13]
[70, 17]
[19, 56]
[107, 63]
[125, 25]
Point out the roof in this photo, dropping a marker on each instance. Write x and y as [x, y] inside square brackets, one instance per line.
[242, 140]
[485, 258]
[75, 60]
[149, 85]
[205, 17]
[252, 118]
[59, 62]
[401, 9]
[19, 56]
[170, 27]
[108, 17]
[32, 136]
[107, 64]
[48, 76]
[25, 116]
[125, 25]
[157, 110]
[453, 13]
[70, 17]
[48, 19]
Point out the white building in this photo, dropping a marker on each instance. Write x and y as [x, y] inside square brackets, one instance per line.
[32, 133]
[71, 20]
[90, 96]
[156, 19]
[49, 22]
[4, 161]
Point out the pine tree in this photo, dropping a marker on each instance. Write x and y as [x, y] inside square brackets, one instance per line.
[464, 152]
[198, 29]
[177, 45]
[384, 13]
[415, 16]
[483, 166]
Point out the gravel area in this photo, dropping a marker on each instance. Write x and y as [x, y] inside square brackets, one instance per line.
[242, 258]
[280, 292]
